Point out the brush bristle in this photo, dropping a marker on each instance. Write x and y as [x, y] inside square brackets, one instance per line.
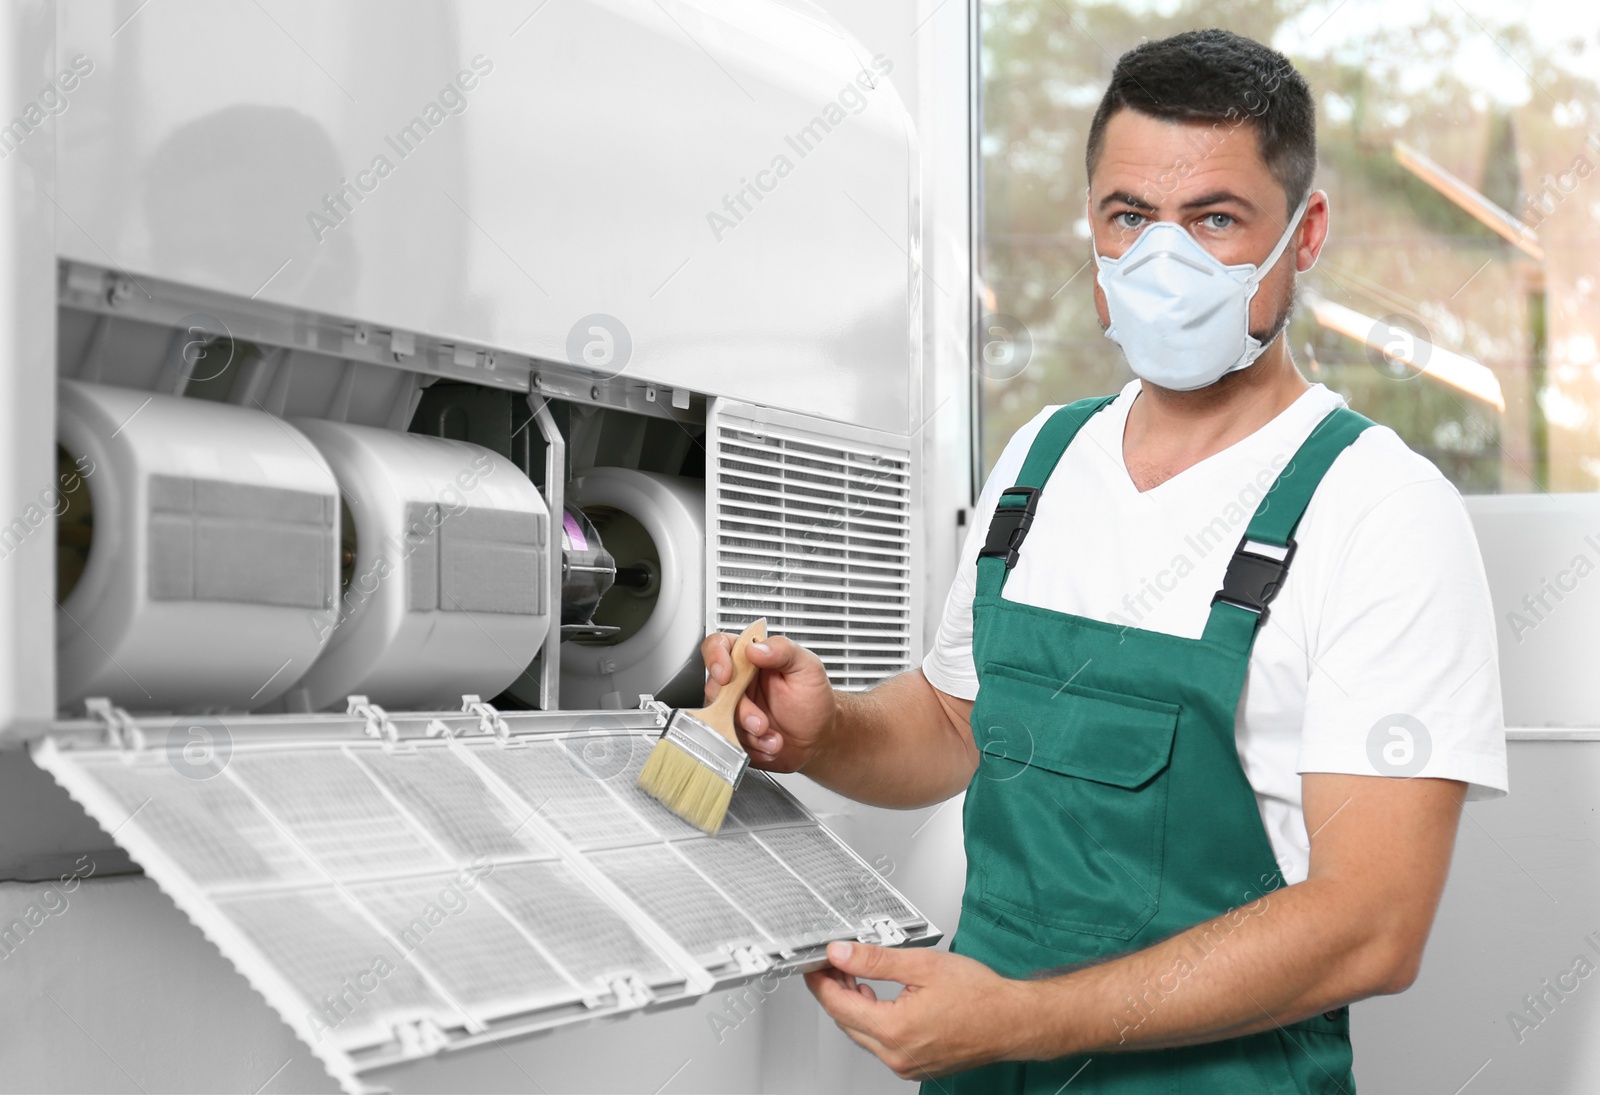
[686, 787]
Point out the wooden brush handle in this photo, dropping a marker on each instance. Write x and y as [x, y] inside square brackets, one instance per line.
[720, 714]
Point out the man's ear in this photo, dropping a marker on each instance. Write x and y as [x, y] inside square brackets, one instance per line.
[1313, 231]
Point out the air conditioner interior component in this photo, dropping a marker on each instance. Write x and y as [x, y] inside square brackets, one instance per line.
[811, 524]
[588, 572]
[465, 878]
[653, 525]
[445, 573]
[210, 541]
[181, 340]
[497, 419]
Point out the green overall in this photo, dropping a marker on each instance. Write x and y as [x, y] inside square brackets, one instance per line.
[1109, 810]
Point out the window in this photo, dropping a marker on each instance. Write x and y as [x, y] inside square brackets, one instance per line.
[1458, 297]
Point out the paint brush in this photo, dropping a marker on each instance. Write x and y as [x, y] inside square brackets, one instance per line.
[698, 762]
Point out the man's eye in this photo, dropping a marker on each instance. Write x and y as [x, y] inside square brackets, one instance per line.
[1127, 219]
[1218, 221]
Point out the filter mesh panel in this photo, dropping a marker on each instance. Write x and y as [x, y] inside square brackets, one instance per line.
[209, 827]
[678, 899]
[335, 811]
[392, 898]
[566, 794]
[855, 890]
[455, 805]
[759, 802]
[586, 935]
[347, 975]
[764, 888]
[475, 953]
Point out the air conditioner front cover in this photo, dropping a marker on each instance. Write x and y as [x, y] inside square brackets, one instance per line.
[398, 885]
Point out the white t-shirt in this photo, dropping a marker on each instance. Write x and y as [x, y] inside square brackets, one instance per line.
[1378, 656]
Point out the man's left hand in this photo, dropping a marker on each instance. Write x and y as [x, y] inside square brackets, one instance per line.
[953, 1014]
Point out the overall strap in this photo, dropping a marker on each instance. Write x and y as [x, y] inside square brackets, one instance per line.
[1260, 562]
[1013, 514]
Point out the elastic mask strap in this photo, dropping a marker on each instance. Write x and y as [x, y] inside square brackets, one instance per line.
[1088, 214]
[1283, 241]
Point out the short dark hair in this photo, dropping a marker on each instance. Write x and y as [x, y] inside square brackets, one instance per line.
[1221, 77]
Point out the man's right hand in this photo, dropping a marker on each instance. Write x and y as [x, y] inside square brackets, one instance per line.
[788, 709]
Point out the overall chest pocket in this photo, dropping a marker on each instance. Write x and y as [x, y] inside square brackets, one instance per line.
[1066, 814]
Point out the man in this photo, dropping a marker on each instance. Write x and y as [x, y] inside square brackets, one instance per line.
[1216, 672]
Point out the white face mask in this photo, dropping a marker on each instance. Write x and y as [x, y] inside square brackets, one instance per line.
[1181, 317]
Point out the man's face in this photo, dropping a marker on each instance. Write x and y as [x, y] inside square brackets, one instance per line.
[1208, 178]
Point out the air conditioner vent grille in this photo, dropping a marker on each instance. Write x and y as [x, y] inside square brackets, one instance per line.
[814, 532]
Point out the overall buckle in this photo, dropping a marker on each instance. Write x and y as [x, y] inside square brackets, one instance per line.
[1010, 526]
[1254, 575]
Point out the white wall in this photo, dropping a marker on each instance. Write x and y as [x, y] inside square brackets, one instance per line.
[1523, 902]
[114, 990]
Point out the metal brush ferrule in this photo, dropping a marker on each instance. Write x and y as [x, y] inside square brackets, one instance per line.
[708, 747]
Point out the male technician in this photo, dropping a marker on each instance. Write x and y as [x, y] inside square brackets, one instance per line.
[1216, 672]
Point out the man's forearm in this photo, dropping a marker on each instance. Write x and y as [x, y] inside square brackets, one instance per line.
[1289, 954]
[900, 745]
